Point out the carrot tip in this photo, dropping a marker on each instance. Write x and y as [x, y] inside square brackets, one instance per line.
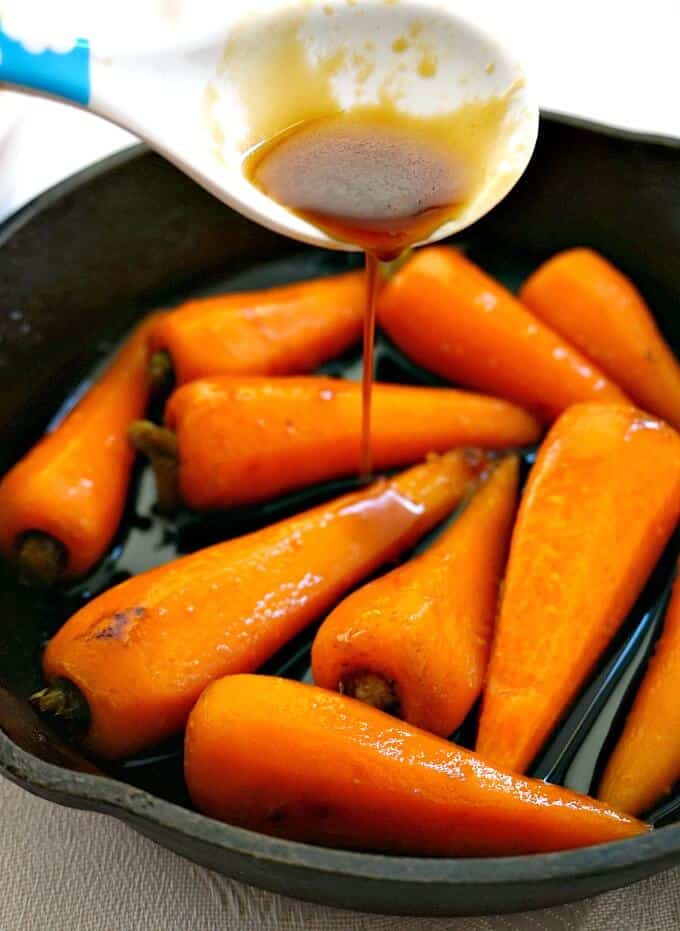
[371, 689]
[63, 700]
[160, 369]
[160, 445]
[41, 558]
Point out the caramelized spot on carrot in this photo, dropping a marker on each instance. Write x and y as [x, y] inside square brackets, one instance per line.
[118, 625]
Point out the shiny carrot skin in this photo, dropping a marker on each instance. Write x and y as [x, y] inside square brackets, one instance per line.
[246, 440]
[645, 763]
[424, 630]
[286, 330]
[588, 301]
[142, 652]
[71, 486]
[297, 761]
[452, 318]
[600, 504]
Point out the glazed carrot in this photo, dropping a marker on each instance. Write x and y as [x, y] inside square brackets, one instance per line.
[61, 504]
[646, 760]
[286, 330]
[246, 440]
[452, 318]
[138, 656]
[417, 640]
[296, 761]
[599, 506]
[589, 302]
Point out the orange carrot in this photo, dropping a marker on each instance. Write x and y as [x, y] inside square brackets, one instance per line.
[286, 330]
[296, 761]
[599, 506]
[245, 440]
[589, 302]
[452, 318]
[139, 655]
[61, 504]
[417, 640]
[646, 760]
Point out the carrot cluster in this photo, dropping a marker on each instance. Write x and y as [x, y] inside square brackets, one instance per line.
[503, 618]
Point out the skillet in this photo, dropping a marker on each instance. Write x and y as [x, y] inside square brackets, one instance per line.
[79, 264]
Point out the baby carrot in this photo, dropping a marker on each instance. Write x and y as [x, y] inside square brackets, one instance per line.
[296, 761]
[452, 318]
[589, 302]
[285, 330]
[599, 506]
[249, 439]
[135, 659]
[646, 760]
[61, 504]
[417, 640]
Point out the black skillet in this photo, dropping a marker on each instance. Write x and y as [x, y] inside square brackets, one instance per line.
[79, 264]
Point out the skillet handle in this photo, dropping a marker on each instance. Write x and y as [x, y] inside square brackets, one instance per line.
[55, 74]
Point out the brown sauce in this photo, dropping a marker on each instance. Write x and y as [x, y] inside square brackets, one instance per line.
[362, 177]
[366, 179]
[373, 281]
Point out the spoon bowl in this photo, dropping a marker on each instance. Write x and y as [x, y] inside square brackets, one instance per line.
[252, 74]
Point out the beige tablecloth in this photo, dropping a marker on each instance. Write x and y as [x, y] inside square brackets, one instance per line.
[63, 870]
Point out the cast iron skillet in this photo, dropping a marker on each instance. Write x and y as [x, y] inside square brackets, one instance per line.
[79, 264]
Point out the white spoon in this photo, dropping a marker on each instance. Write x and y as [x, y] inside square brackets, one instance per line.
[203, 104]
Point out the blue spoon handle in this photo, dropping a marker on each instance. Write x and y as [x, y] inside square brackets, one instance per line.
[61, 74]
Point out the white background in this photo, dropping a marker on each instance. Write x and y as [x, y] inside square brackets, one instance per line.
[614, 61]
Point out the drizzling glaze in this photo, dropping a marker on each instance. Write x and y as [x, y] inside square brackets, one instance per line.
[375, 175]
[373, 282]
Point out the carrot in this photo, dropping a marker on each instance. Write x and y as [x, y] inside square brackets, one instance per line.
[133, 661]
[589, 302]
[599, 506]
[417, 640]
[61, 504]
[245, 440]
[296, 761]
[285, 330]
[646, 760]
[452, 318]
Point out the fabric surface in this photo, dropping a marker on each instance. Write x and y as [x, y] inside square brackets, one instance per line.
[63, 870]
